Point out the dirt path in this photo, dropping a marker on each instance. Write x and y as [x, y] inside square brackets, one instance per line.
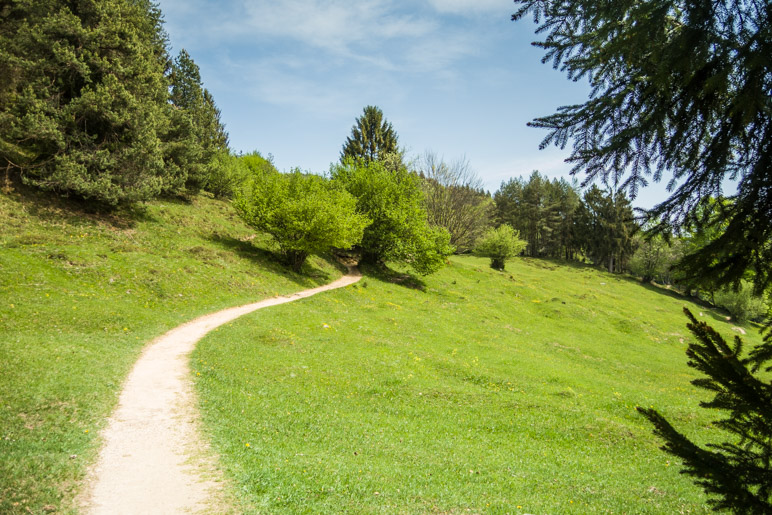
[152, 460]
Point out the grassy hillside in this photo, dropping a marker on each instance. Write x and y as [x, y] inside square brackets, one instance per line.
[486, 392]
[80, 294]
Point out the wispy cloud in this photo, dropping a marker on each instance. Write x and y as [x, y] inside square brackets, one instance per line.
[470, 7]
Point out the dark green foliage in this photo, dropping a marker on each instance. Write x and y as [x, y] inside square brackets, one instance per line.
[390, 195]
[605, 227]
[678, 88]
[739, 472]
[543, 212]
[196, 136]
[305, 214]
[82, 97]
[372, 138]
[456, 200]
[500, 244]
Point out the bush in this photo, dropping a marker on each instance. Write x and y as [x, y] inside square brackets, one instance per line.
[390, 195]
[305, 214]
[741, 304]
[499, 245]
[226, 173]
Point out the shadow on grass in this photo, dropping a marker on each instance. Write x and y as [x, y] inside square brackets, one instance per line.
[383, 273]
[51, 207]
[272, 261]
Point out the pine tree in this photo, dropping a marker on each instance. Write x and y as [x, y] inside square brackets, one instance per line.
[738, 473]
[372, 138]
[82, 96]
[606, 227]
[679, 89]
[196, 134]
[543, 212]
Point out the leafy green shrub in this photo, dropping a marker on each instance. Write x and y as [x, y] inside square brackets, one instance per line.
[226, 173]
[391, 196]
[500, 244]
[741, 304]
[305, 214]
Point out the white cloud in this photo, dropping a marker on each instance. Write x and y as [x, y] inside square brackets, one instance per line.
[469, 7]
[338, 26]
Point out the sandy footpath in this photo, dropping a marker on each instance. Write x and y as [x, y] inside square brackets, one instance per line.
[153, 460]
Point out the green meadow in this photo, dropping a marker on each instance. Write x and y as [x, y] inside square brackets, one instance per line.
[468, 391]
[80, 295]
[471, 391]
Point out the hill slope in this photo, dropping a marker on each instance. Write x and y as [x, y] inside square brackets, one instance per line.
[80, 295]
[488, 392]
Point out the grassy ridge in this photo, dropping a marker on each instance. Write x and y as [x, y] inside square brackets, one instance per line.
[487, 392]
[80, 295]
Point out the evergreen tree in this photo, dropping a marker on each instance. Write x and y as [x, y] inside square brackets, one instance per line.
[679, 88]
[196, 135]
[372, 138]
[82, 97]
[543, 212]
[738, 472]
[606, 228]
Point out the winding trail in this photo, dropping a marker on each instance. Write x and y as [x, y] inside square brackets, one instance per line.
[153, 459]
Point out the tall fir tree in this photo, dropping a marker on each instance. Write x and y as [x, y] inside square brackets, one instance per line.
[82, 97]
[196, 134]
[372, 138]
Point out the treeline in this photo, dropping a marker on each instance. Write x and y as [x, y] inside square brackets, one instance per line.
[552, 216]
[559, 222]
[92, 105]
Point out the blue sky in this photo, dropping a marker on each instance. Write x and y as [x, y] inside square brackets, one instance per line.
[456, 77]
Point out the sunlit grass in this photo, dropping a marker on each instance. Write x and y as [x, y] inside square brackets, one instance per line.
[487, 392]
[80, 295]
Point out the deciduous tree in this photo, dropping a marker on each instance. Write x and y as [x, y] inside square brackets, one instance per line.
[305, 214]
[391, 197]
[455, 200]
[500, 245]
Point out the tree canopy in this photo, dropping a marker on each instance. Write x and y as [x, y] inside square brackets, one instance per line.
[304, 213]
[391, 197]
[372, 137]
[679, 90]
[92, 106]
[82, 97]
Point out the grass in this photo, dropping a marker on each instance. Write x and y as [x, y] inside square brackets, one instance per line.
[80, 295]
[471, 391]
